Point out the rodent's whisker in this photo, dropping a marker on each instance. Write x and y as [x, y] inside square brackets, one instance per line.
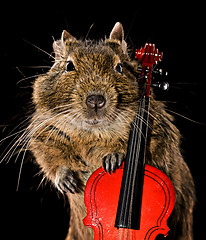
[39, 49]
[61, 119]
[56, 125]
[158, 122]
[25, 138]
[69, 119]
[52, 130]
[39, 117]
[158, 119]
[12, 135]
[127, 119]
[75, 117]
[45, 177]
[36, 67]
[60, 125]
[144, 121]
[27, 134]
[26, 144]
[42, 180]
[34, 76]
[14, 147]
[182, 116]
[21, 124]
[137, 127]
[11, 144]
[48, 120]
[20, 170]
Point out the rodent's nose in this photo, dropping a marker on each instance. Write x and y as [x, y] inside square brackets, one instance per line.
[95, 101]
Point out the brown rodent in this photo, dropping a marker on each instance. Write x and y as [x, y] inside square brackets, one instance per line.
[84, 107]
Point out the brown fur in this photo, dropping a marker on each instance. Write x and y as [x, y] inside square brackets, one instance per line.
[70, 141]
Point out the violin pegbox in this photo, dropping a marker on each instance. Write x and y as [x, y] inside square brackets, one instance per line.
[148, 55]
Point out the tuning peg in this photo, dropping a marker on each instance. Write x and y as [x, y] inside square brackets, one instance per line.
[160, 72]
[163, 85]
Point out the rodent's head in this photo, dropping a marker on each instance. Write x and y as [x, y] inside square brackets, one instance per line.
[91, 85]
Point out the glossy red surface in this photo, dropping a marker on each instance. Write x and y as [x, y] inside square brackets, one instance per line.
[101, 199]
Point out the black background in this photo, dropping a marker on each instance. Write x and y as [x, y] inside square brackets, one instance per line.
[35, 212]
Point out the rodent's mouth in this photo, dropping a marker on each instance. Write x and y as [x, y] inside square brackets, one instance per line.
[93, 122]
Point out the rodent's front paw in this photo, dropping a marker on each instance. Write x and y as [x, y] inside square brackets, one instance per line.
[112, 161]
[66, 181]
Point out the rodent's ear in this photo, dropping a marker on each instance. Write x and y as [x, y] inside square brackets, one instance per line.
[59, 48]
[67, 36]
[59, 45]
[117, 34]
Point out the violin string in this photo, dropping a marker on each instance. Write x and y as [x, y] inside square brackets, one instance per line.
[135, 157]
[118, 233]
[131, 160]
[144, 120]
[126, 183]
[135, 143]
[135, 147]
[126, 234]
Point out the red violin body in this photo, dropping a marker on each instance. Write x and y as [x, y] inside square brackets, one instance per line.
[101, 199]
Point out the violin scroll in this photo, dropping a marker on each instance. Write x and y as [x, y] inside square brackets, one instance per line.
[148, 54]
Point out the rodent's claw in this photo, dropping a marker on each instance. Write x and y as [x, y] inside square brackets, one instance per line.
[112, 161]
[69, 185]
[66, 181]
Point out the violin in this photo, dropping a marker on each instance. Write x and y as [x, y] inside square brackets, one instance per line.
[143, 197]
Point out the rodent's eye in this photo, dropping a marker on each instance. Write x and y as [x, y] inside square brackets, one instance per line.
[70, 66]
[118, 68]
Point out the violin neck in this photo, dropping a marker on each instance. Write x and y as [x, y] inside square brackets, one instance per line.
[130, 199]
